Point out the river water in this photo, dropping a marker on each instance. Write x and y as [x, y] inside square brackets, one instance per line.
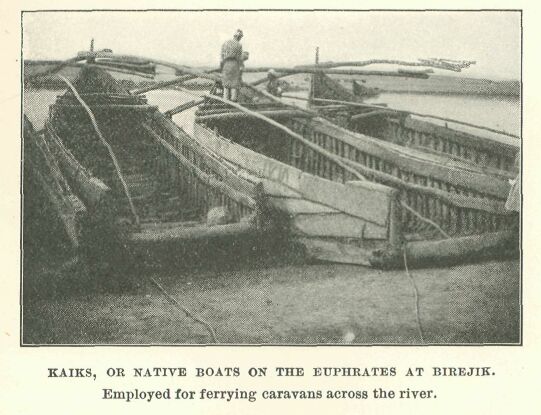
[499, 113]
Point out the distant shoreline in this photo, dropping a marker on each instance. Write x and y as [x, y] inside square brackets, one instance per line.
[435, 85]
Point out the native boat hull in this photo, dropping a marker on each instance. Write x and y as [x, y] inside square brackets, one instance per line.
[491, 150]
[404, 198]
[172, 182]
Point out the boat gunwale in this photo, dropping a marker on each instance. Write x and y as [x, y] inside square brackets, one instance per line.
[406, 158]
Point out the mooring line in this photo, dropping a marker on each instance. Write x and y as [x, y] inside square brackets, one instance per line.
[179, 306]
[416, 293]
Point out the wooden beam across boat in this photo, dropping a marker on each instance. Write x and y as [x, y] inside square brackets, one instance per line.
[177, 81]
[359, 72]
[183, 107]
[370, 114]
[240, 114]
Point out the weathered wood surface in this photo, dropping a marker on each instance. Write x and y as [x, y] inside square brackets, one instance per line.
[183, 107]
[42, 165]
[415, 161]
[239, 114]
[335, 251]
[113, 107]
[366, 200]
[205, 177]
[248, 159]
[369, 114]
[68, 208]
[338, 225]
[177, 81]
[90, 189]
[455, 199]
[327, 90]
[292, 71]
[295, 207]
[165, 127]
[499, 142]
[437, 253]
[197, 233]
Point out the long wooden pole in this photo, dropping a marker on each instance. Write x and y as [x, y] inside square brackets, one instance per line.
[455, 66]
[240, 114]
[312, 70]
[369, 114]
[163, 84]
[183, 107]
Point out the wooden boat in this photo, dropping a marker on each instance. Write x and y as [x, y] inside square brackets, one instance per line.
[47, 194]
[345, 196]
[146, 185]
[484, 147]
[358, 199]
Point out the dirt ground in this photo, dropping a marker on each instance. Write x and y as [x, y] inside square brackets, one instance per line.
[275, 302]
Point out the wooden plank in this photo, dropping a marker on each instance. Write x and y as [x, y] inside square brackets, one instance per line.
[395, 223]
[500, 143]
[257, 163]
[239, 114]
[183, 142]
[202, 232]
[299, 206]
[183, 107]
[205, 177]
[366, 200]
[270, 187]
[369, 114]
[337, 225]
[335, 251]
[461, 200]
[418, 162]
[91, 190]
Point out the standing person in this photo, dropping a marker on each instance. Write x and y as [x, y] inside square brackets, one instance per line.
[273, 84]
[232, 63]
[514, 198]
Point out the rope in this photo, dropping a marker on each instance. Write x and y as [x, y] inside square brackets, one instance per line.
[185, 310]
[106, 144]
[416, 294]
[424, 219]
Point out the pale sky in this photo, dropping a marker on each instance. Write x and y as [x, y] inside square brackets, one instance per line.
[286, 38]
